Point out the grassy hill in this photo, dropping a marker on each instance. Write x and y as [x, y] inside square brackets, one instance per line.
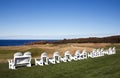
[109, 39]
[102, 67]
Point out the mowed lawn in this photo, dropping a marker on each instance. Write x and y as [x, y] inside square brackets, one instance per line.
[102, 67]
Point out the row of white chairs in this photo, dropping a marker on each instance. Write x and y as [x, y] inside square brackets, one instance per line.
[45, 60]
[101, 52]
[25, 59]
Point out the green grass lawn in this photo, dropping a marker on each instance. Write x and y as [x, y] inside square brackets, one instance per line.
[102, 67]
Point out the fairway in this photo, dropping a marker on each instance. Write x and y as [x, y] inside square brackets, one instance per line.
[101, 67]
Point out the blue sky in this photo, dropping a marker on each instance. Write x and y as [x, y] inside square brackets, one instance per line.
[58, 19]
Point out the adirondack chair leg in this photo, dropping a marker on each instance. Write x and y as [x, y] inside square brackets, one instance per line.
[53, 62]
[58, 61]
[36, 62]
[9, 66]
[40, 63]
[46, 63]
[29, 65]
[12, 67]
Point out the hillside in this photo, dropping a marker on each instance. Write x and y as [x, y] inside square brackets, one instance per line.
[110, 39]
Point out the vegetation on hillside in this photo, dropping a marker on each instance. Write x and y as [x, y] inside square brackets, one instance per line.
[110, 39]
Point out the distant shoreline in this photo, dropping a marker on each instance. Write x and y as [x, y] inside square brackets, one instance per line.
[19, 42]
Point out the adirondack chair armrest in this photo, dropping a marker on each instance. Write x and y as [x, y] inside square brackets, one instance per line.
[11, 64]
[63, 59]
[74, 58]
[36, 59]
[10, 61]
[52, 61]
[38, 62]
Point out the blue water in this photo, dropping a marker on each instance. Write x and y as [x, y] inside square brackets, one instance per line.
[19, 42]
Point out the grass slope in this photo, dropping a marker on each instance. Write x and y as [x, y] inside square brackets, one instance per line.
[102, 67]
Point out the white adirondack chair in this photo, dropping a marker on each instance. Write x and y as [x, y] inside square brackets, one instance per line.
[110, 51]
[77, 55]
[92, 54]
[113, 50]
[20, 60]
[67, 57]
[43, 60]
[28, 59]
[56, 58]
[102, 52]
[98, 53]
[84, 54]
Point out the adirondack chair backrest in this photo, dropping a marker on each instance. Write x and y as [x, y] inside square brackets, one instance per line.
[18, 54]
[84, 54]
[27, 54]
[102, 49]
[67, 54]
[110, 50]
[77, 53]
[94, 50]
[56, 56]
[98, 50]
[114, 50]
[44, 57]
[16, 57]
[20, 59]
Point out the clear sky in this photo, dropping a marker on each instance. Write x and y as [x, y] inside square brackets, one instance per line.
[58, 19]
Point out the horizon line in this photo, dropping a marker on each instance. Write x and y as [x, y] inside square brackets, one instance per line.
[59, 37]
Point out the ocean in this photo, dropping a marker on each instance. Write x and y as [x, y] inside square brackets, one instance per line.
[19, 42]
